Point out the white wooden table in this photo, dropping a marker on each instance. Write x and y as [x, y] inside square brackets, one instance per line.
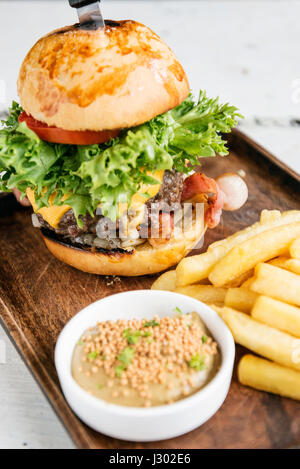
[245, 51]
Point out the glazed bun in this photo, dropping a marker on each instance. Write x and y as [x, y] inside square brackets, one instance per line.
[111, 78]
[143, 260]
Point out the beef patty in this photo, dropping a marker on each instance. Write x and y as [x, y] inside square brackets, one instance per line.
[166, 199]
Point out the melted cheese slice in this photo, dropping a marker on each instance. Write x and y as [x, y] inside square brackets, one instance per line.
[138, 199]
[54, 214]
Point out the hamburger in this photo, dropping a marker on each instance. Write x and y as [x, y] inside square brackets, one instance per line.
[104, 145]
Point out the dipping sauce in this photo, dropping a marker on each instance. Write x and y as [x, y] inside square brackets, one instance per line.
[143, 363]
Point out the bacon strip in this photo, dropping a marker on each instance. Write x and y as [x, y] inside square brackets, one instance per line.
[199, 184]
[165, 230]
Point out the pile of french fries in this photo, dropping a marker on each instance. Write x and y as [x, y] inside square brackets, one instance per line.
[252, 280]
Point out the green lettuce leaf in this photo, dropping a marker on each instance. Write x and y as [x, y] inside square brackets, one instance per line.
[110, 173]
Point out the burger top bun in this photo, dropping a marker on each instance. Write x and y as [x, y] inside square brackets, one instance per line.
[111, 78]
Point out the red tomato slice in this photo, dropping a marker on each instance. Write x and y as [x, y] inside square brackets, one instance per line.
[71, 137]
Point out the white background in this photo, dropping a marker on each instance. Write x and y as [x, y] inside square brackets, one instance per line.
[247, 52]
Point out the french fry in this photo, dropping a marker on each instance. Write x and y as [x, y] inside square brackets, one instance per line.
[276, 314]
[279, 261]
[205, 281]
[205, 293]
[293, 265]
[218, 309]
[268, 376]
[239, 281]
[165, 281]
[295, 249]
[259, 248]
[277, 283]
[264, 340]
[195, 268]
[248, 282]
[270, 216]
[241, 299]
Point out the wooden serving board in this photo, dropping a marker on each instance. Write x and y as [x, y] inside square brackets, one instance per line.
[39, 294]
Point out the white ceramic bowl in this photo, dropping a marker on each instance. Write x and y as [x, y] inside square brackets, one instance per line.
[136, 423]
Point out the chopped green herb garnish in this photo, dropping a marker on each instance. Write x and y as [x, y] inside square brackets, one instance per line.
[149, 341]
[131, 336]
[133, 339]
[178, 311]
[100, 386]
[152, 323]
[93, 355]
[119, 370]
[197, 362]
[125, 358]
[147, 334]
[103, 358]
[204, 339]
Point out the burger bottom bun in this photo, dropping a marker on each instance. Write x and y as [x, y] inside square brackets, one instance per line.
[143, 260]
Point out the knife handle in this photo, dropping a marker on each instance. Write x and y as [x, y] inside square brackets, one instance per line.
[81, 3]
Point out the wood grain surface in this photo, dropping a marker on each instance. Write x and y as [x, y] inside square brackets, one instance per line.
[39, 294]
